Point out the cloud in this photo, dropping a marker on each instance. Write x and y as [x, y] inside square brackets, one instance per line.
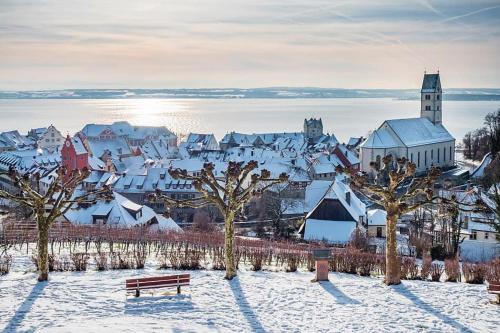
[245, 43]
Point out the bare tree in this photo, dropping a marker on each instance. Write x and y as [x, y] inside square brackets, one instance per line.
[398, 191]
[228, 193]
[59, 198]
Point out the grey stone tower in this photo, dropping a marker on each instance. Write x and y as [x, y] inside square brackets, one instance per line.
[431, 99]
[313, 129]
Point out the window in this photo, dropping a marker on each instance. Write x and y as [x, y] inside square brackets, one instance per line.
[427, 97]
[438, 151]
[437, 97]
[411, 157]
[486, 236]
[425, 158]
[438, 108]
[418, 159]
[473, 235]
[427, 108]
[379, 232]
[451, 158]
[432, 154]
[444, 154]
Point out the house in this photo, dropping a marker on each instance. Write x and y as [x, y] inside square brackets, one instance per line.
[134, 135]
[335, 216]
[200, 142]
[376, 223]
[74, 155]
[423, 141]
[16, 140]
[51, 139]
[119, 211]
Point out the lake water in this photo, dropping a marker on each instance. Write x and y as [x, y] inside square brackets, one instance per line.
[343, 117]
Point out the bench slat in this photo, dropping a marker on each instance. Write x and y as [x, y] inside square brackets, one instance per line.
[158, 278]
[159, 286]
[155, 283]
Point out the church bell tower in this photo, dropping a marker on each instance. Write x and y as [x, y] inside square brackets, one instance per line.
[431, 98]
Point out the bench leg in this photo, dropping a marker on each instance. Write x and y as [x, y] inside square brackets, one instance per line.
[137, 293]
[178, 289]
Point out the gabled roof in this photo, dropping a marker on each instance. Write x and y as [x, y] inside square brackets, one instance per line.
[419, 131]
[411, 132]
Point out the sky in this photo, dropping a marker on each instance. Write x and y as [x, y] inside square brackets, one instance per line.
[259, 43]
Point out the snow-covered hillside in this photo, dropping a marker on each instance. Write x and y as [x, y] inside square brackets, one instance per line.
[253, 302]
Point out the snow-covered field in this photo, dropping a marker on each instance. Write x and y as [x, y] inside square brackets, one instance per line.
[254, 302]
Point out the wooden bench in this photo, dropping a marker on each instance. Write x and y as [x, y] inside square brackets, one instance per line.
[494, 288]
[170, 281]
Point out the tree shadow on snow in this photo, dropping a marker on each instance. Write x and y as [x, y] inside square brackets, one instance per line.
[25, 307]
[404, 291]
[339, 296]
[245, 307]
[155, 305]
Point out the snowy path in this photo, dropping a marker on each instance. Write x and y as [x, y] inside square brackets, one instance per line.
[255, 301]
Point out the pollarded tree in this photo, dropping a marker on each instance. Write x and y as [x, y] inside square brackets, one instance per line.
[399, 191]
[48, 206]
[229, 193]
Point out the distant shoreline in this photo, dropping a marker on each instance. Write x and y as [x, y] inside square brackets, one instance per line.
[463, 94]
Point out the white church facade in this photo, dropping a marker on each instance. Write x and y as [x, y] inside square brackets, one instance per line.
[424, 140]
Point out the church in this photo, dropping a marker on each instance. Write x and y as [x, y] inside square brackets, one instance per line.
[424, 140]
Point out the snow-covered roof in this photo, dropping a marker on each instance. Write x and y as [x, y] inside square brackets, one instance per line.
[116, 147]
[119, 211]
[377, 217]
[410, 132]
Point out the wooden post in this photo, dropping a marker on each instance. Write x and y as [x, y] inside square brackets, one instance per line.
[137, 291]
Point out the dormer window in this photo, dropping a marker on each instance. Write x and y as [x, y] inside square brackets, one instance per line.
[427, 97]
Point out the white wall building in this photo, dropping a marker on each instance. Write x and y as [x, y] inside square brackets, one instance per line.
[51, 139]
[424, 140]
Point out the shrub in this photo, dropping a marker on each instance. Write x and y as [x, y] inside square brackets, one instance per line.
[292, 262]
[426, 267]
[452, 269]
[436, 272]
[493, 272]
[80, 261]
[366, 263]
[120, 261]
[474, 273]
[101, 261]
[311, 264]
[438, 252]
[5, 264]
[140, 256]
[409, 269]
[256, 260]
[359, 240]
[62, 264]
[51, 260]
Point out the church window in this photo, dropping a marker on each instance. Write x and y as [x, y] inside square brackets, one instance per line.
[425, 158]
[444, 154]
[418, 159]
[427, 108]
[451, 158]
[427, 97]
[411, 157]
[432, 154]
[438, 151]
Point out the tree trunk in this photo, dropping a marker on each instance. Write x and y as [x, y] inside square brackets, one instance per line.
[229, 245]
[392, 264]
[43, 252]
